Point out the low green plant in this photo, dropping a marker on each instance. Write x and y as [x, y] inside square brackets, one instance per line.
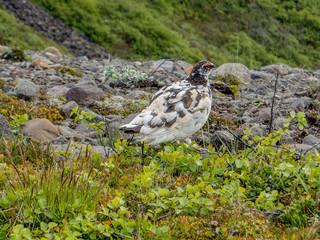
[15, 54]
[16, 35]
[267, 190]
[127, 74]
[18, 110]
[71, 71]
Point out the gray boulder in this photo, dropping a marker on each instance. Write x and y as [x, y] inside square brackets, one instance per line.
[85, 94]
[237, 69]
[41, 130]
[5, 129]
[222, 138]
[25, 89]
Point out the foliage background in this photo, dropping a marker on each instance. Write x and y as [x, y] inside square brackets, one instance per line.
[253, 32]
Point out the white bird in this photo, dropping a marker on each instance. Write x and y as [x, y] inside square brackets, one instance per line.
[177, 110]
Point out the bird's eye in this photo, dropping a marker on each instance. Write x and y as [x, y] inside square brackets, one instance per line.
[208, 64]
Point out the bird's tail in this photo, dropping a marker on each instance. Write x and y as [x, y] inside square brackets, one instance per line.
[130, 128]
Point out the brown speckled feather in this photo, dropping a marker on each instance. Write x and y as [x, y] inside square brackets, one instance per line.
[176, 111]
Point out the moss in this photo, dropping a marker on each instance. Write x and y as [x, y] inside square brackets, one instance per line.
[71, 71]
[229, 79]
[189, 227]
[220, 120]
[228, 84]
[2, 83]
[242, 222]
[15, 54]
[11, 107]
[15, 34]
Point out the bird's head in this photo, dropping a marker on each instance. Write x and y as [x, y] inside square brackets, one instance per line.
[200, 72]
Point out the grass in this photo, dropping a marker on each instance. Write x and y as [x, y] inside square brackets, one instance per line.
[265, 191]
[17, 35]
[255, 33]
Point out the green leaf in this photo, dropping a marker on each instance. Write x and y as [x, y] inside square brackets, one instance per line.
[52, 225]
[42, 202]
[204, 211]
[209, 189]
[43, 226]
[292, 114]
[239, 163]
[183, 201]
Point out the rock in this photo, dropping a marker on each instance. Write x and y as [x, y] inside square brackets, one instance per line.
[85, 95]
[278, 122]
[255, 128]
[25, 89]
[237, 69]
[68, 107]
[261, 75]
[5, 129]
[304, 148]
[137, 94]
[60, 140]
[39, 63]
[41, 130]
[311, 140]
[274, 68]
[222, 138]
[264, 114]
[293, 77]
[107, 89]
[261, 90]
[52, 51]
[68, 132]
[222, 87]
[166, 65]
[57, 91]
[300, 104]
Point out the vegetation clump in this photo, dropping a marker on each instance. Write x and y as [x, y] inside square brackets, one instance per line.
[171, 192]
[15, 54]
[15, 34]
[255, 33]
[71, 71]
[13, 108]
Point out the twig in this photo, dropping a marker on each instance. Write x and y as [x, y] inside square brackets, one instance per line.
[272, 104]
[153, 72]
[305, 152]
[234, 135]
[167, 215]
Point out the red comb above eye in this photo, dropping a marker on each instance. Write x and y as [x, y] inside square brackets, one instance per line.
[208, 64]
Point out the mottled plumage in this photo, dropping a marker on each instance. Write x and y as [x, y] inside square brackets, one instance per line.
[176, 111]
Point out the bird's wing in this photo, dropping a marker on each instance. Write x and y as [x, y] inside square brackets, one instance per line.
[175, 111]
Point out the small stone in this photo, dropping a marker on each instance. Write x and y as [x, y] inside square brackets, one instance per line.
[68, 107]
[237, 69]
[39, 63]
[222, 138]
[5, 129]
[311, 140]
[25, 89]
[283, 69]
[52, 51]
[261, 90]
[300, 104]
[41, 130]
[85, 94]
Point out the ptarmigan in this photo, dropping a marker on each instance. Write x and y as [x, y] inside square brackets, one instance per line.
[176, 111]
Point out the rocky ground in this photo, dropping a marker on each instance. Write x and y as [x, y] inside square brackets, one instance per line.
[242, 97]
